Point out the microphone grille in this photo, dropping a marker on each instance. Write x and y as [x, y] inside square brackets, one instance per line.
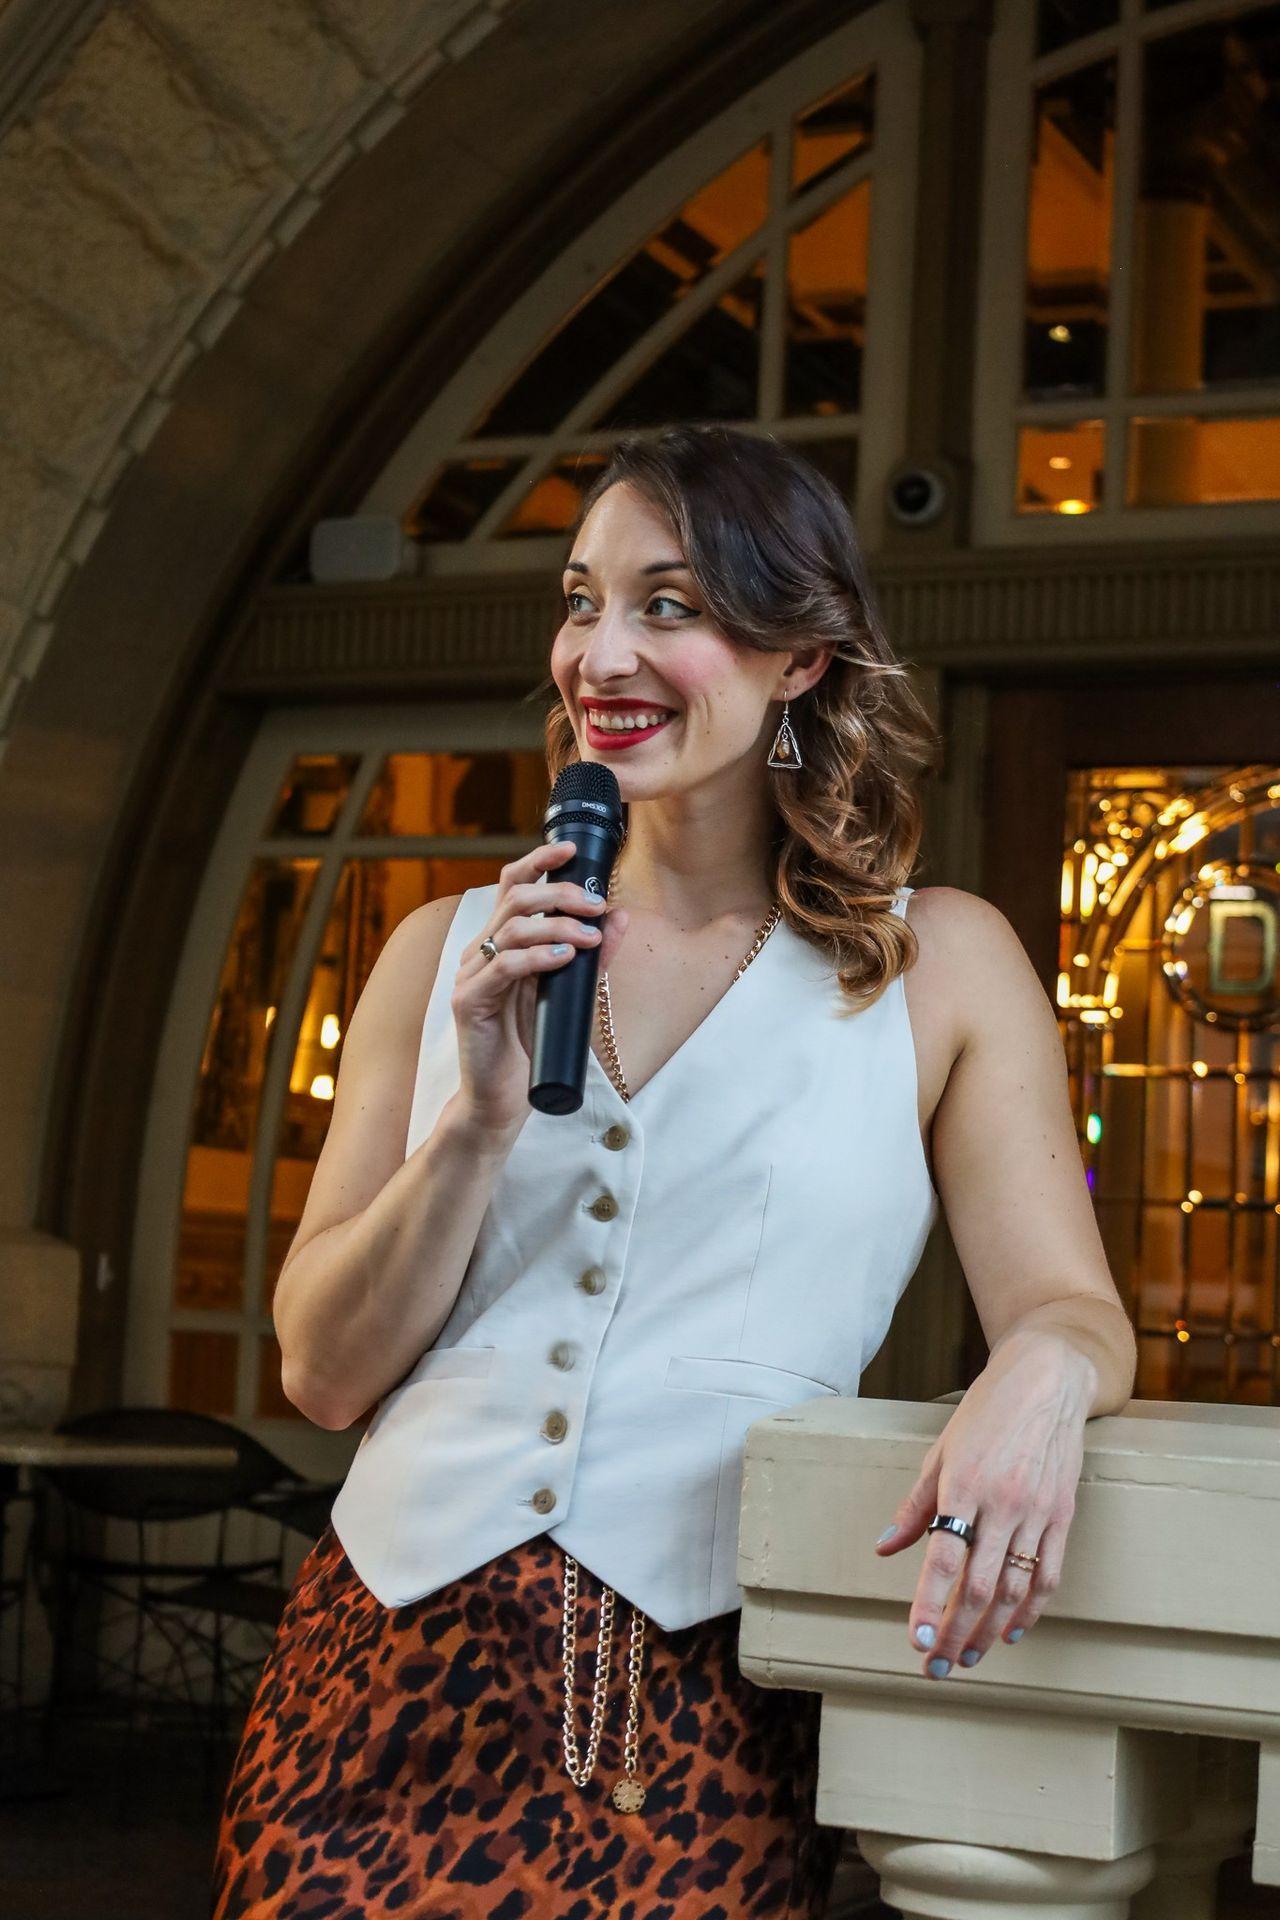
[587, 780]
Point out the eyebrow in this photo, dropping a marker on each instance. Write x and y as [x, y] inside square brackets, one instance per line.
[657, 566]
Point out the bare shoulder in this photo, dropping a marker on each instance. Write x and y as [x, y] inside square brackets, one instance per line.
[969, 962]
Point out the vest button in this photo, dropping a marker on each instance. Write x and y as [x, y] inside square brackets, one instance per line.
[544, 1500]
[593, 1280]
[555, 1426]
[617, 1135]
[605, 1207]
[561, 1355]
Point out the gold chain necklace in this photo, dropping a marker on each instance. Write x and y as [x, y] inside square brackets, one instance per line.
[628, 1792]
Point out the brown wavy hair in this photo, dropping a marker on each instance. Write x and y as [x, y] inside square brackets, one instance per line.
[773, 549]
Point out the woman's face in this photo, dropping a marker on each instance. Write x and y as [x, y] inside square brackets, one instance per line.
[635, 629]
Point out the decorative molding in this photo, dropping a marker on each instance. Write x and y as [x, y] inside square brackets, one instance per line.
[971, 610]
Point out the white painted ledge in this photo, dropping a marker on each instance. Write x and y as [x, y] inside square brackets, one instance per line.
[1106, 1765]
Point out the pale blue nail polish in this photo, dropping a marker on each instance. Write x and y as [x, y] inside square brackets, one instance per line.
[970, 1657]
[561, 946]
[925, 1636]
[886, 1535]
[939, 1668]
[1015, 1633]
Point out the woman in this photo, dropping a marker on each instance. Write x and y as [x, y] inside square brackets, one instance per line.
[724, 1227]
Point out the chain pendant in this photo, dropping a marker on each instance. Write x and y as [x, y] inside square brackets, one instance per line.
[628, 1791]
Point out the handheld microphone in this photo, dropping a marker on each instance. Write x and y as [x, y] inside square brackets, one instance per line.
[585, 807]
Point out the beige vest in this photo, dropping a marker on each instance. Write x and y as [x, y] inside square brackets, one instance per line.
[652, 1276]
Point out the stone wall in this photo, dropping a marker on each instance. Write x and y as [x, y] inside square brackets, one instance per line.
[158, 161]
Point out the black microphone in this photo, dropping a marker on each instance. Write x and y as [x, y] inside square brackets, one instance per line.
[585, 807]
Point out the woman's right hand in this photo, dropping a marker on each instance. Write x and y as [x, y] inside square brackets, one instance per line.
[493, 1001]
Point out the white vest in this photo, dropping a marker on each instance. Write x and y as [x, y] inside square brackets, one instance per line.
[651, 1276]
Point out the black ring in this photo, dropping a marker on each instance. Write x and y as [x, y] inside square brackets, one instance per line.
[950, 1523]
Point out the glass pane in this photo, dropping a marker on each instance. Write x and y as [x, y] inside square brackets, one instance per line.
[553, 503]
[1207, 228]
[839, 125]
[312, 795]
[1060, 22]
[1184, 462]
[1169, 996]
[837, 459]
[458, 497]
[1069, 233]
[458, 793]
[711, 373]
[827, 308]
[209, 1270]
[1060, 468]
[634, 297]
[371, 899]
[202, 1372]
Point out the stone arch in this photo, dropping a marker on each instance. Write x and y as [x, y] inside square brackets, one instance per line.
[336, 322]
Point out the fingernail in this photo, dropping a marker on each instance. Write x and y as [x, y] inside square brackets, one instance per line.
[561, 947]
[886, 1535]
[939, 1668]
[1015, 1633]
[970, 1657]
[925, 1636]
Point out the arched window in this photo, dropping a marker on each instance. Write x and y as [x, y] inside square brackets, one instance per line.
[1129, 337]
[342, 823]
[759, 276]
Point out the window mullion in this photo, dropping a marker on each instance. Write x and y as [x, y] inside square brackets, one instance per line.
[1126, 168]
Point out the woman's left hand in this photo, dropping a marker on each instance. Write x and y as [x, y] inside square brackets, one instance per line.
[1008, 1461]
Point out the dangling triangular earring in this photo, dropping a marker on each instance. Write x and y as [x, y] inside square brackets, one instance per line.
[786, 750]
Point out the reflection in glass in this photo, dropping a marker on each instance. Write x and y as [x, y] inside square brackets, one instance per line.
[712, 372]
[209, 1267]
[1060, 469]
[1207, 229]
[312, 795]
[1179, 461]
[633, 298]
[1060, 22]
[1175, 1081]
[553, 501]
[504, 791]
[202, 1372]
[839, 125]
[1069, 233]
[827, 307]
[458, 497]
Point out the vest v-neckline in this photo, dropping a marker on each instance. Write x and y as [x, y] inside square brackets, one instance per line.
[732, 994]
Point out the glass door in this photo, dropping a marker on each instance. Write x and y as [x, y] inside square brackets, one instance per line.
[1154, 915]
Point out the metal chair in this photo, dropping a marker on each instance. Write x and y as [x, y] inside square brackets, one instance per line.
[187, 1603]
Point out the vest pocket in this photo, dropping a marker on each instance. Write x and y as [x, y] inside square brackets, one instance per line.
[715, 1373]
[452, 1363]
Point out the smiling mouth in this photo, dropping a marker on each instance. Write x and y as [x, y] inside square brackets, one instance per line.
[625, 724]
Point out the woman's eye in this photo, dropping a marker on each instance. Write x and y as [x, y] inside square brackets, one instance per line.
[577, 594]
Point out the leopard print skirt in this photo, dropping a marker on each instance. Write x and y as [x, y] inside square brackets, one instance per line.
[408, 1762]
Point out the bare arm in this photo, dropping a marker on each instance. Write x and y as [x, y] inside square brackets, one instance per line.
[383, 1243]
[1007, 1160]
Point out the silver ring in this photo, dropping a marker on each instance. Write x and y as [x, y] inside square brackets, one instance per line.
[950, 1523]
[488, 949]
